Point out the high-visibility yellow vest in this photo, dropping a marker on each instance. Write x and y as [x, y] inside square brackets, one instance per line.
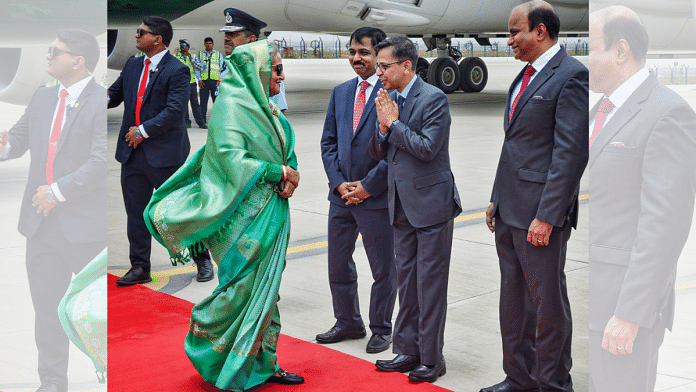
[210, 65]
[187, 62]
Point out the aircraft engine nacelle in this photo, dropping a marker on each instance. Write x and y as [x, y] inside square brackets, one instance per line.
[120, 47]
[23, 70]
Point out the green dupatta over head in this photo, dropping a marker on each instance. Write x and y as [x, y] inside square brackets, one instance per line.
[225, 197]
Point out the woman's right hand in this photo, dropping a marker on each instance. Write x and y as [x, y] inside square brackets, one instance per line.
[292, 175]
[286, 189]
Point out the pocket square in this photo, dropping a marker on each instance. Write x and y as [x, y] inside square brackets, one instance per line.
[617, 144]
[537, 97]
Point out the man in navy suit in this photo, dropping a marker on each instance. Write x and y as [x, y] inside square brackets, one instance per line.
[63, 212]
[413, 135]
[153, 142]
[357, 185]
[535, 202]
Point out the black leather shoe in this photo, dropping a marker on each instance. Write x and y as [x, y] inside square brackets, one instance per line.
[52, 387]
[135, 275]
[425, 373]
[203, 126]
[205, 270]
[188, 125]
[378, 343]
[505, 387]
[338, 334]
[401, 363]
[286, 378]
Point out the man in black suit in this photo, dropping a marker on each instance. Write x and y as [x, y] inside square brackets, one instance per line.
[642, 186]
[63, 213]
[535, 202]
[413, 135]
[153, 142]
[357, 185]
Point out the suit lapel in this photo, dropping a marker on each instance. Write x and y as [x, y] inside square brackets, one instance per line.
[509, 97]
[538, 81]
[411, 101]
[71, 114]
[155, 73]
[369, 105]
[624, 114]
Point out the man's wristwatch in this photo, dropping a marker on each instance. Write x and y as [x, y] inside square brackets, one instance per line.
[138, 135]
[50, 197]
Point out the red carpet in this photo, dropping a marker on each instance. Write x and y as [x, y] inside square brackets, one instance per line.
[146, 353]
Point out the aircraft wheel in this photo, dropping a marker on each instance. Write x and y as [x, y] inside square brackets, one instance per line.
[422, 68]
[474, 74]
[443, 73]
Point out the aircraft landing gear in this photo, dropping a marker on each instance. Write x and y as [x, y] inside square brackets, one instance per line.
[474, 74]
[471, 75]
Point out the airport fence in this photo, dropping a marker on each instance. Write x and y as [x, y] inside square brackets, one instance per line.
[673, 72]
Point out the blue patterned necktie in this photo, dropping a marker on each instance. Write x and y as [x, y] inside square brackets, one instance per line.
[400, 102]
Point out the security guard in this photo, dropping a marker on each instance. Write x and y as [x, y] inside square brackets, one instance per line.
[240, 29]
[211, 62]
[185, 57]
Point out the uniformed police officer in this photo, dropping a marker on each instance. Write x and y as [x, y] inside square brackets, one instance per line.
[240, 29]
[192, 63]
[211, 62]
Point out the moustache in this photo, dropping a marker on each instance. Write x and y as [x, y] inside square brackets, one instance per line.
[358, 63]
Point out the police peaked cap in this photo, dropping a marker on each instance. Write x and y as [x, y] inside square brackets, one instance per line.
[238, 20]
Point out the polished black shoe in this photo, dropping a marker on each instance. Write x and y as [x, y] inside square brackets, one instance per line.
[188, 125]
[505, 387]
[425, 373]
[135, 275]
[52, 387]
[286, 378]
[337, 334]
[205, 270]
[378, 343]
[203, 126]
[401, 363]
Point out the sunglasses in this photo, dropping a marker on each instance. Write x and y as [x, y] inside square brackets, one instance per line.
[183, 44]
[384, 66]
[140, 32]
[54, 51]
[279, 68]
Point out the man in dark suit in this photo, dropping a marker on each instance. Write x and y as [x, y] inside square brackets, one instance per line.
[63, 213]
[153, 142]
[413, 135]
[642, 186]
[535, 202]
[357, 185]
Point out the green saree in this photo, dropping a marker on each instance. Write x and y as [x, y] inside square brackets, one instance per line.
[226, 198]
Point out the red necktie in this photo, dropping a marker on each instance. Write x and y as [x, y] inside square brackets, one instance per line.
[525, 81]
[359, 105]
[55, 136]
[604, 108]
[141, 92]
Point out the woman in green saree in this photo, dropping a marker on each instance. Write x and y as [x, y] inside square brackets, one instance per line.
[232, 197]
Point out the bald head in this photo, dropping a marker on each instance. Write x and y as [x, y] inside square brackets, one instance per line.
[619, 23]
[618, 48]
[532, 5]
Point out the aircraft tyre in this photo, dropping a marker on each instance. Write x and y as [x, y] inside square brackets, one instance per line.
[422, 68]
[443, 73]
[474, 74]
